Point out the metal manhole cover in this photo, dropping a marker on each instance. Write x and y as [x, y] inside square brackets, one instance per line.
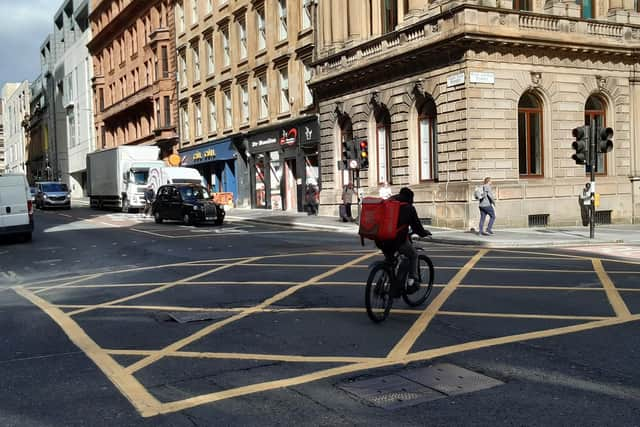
[450, 379]
[391, 391]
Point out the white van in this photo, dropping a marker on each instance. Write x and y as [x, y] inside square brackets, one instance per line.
[16, 206]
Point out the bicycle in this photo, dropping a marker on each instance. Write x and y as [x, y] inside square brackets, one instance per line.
[392, 274]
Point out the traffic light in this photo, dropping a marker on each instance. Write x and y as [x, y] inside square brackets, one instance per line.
[349, 150]
[363, 154]
[605, 144]
[581, 145]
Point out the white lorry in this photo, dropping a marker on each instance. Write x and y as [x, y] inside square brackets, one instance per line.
[117, 177]
[16, 206]
[162, 175]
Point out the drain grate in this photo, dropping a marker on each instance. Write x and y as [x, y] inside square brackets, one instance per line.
[414, 386]
[391, 391]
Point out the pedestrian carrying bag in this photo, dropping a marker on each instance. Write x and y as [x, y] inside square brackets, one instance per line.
[379, 218]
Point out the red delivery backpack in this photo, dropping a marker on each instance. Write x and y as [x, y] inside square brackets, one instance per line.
[379, 219]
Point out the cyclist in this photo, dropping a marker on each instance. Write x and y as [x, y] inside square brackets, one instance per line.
[408, 217]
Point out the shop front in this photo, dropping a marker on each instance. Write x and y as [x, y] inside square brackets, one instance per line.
[283, 161]
[217, 163]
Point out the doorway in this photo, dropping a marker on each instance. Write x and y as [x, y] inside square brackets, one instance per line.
[291, 185]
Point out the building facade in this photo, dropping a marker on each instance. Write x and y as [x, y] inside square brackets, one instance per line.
[247, 117]
[38, 166]
[133, 52]
[16, 99]
[447, 93]
[1, 137]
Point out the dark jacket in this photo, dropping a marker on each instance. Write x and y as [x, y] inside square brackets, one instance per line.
[408, 217]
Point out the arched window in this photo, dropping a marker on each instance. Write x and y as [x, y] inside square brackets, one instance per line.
[383, 145]
[346, 134]
[530, 135]
[595, 115]
[427, 143]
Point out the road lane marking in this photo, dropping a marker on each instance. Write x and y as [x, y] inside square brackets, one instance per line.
[73, 282]
[420, 325]
[161, 288]
[134, 391]
[269, 301]
[616, 301]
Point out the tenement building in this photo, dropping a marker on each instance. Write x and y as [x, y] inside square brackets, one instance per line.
[133, 52]
[247, 116]
[447, 93]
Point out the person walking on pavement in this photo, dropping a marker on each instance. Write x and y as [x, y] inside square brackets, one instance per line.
[312, 198]
[347, 201]
[385, 190]
[149, 195]
[584, 200]
[486, 205]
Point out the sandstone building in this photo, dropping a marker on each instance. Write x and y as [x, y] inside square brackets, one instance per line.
[449, 92]
[133, 52]
[247, 116]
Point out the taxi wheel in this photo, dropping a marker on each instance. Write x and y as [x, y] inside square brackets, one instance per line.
[187, 219]
[157, 217]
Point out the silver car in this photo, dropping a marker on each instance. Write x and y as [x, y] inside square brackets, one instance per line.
[53, 195]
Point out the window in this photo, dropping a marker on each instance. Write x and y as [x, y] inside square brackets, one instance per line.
[282, 17]
[101, 98]
[211, 63]
[167, 111]
[228, 110]
[383, 144]
[587, 7]
[165, 62]
[262, 30]
[71, 129]
[308, 96]
[242, 38]
[389, 15]
[522, 5]
[284, 90]
[306, 14]
[264, 96]
[427, 141]
[180, 17]
[183, 70]
[244, 100]
[198, 119]
[226, 55]
[595, 115]
[530, 135]
[184, 114]
[194, 11]
[195, 55]
[213, 116]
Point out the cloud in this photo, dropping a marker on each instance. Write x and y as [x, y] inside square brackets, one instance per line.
[23, 27]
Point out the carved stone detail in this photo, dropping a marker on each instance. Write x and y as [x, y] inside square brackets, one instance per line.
[602, 82]
[536, 78]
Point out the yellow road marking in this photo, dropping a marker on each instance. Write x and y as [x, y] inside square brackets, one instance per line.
[63, 285]
[152, 308]
[616, 301]
[269, 301]
[476, 345]
[521, 316]
[135, 392]
[404, 345]
[248, 356]
[161, 288]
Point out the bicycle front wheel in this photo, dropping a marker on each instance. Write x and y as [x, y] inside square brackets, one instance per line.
[377, 296]
[420, 295]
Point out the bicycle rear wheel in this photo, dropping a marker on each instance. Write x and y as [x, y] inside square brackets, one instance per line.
[420, 295]
[377, 296]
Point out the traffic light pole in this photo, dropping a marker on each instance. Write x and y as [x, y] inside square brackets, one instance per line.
[592, 132]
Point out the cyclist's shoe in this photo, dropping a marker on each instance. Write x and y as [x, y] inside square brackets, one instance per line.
[413, 284]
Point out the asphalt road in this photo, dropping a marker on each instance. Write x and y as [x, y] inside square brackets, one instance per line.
[110, 319]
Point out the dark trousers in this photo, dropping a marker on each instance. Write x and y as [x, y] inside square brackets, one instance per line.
[484, 211]
[409, 251]
[347, 211]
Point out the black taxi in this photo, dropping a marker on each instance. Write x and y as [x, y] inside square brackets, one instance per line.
[190, 203]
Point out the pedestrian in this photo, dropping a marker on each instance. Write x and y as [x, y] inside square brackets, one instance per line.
[584, 200]
[312, 197]
[347, 201]
[487, 204]
[149, 195]
[385, 190]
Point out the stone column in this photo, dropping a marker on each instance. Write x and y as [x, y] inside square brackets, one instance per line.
[357, 9]
[634, 114]
[325, 17]
[416, 6]
[339, 21]
[376, 19]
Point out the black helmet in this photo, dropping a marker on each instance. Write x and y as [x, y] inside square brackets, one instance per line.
[405, 195]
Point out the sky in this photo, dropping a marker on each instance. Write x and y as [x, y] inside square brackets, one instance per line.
[24, 24]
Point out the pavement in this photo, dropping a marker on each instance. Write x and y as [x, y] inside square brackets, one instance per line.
[511, 237]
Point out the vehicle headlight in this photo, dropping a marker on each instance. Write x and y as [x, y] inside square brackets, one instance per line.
[196, 207]
[45, 196]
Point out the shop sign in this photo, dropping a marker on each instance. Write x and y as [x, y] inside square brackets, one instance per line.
[202, 155]
[289, 137]
[262, 142]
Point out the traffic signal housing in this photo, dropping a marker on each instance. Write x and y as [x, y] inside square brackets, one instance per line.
[605, 144]
[348, 150]
[581, 145]
[363, 154]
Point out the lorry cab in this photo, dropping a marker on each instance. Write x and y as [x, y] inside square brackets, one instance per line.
[16, 206]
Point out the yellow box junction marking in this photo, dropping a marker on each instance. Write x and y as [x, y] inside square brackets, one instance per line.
[616, 301]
